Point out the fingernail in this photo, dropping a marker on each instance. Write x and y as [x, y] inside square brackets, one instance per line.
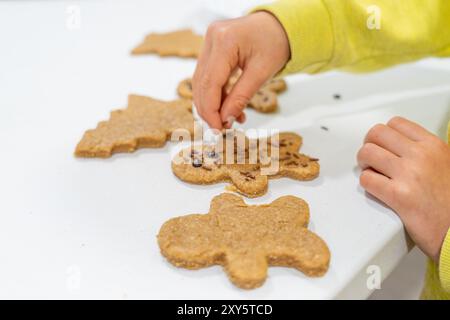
[229, 123]
[241, 118]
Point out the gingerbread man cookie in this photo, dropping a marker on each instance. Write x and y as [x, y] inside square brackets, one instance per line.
[182, 43]
[145, 123]
[244, 166]
[245, 239]
[265, 100]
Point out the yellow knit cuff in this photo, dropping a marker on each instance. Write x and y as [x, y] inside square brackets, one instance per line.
[448, 134]
[444, 263]
[308, 26]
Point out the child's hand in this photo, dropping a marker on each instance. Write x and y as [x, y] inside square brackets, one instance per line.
[408, 168]
[257, 44]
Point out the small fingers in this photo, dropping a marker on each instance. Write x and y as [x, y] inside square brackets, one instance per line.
[389, 139]
[409, 129]
[207, 90]
[241, 118]
[252, 78]
[379, 159]
[213, 70]
[208, 99]
[202, 58]
[378, 185]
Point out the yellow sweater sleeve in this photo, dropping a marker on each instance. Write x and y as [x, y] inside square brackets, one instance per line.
[365, 35]
[444, 259]
[361, 35]
[444, 264]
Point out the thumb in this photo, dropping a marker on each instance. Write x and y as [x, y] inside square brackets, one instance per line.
[245, 88]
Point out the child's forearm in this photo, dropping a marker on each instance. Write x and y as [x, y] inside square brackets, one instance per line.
[361, 35]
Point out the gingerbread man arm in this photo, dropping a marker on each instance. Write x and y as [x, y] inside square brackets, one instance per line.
[190, 242]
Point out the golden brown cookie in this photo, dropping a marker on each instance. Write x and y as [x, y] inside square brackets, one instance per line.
[243, 167]
[276, 85]
[184, 89]
[245, 239]
[145, 123]
[182, 43]
[265, 100]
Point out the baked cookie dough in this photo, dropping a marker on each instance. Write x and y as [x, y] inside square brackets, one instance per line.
[245, 239]
[145, 123]
[265, 100]
[182, 43]
[243, 166]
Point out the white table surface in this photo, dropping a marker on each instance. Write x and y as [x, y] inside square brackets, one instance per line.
[72, 228]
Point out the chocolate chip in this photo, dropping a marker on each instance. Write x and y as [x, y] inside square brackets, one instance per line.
[313, 159]
[212, 154]
[292, 163]
[193, 152]
[247, 175]
[196, 163]
[296, 156]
